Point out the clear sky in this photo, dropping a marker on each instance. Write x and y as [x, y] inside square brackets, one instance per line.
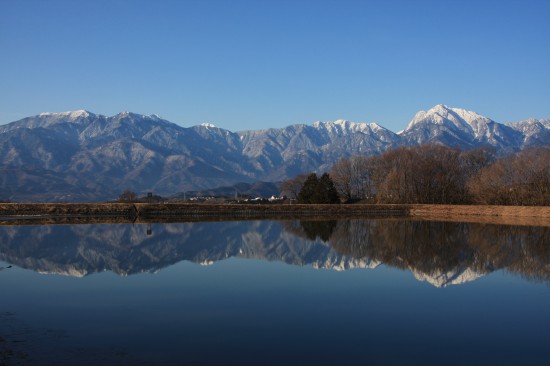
[258, 63]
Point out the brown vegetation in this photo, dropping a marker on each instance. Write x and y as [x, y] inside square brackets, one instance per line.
[493, 214]
[291, 187]
[421, 174]
[522, 179]
[438, 174]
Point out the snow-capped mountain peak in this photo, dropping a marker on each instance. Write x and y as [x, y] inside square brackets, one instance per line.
[439, 110]
[441, 114]
[376, 127]
[70, 114]
[208, 125]
[458, 127]
[534, 132]
[79, 113]
[341, 126]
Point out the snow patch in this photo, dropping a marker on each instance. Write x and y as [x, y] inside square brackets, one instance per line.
[467, 121]
[70, 114]
[79, 113]
[208, 125]
[345, 126]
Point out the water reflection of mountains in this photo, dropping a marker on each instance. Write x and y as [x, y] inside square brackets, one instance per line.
[441, 253]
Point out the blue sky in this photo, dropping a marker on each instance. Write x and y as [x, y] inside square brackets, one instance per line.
[257, 64]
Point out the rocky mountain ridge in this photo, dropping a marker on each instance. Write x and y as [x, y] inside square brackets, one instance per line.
[82, 156]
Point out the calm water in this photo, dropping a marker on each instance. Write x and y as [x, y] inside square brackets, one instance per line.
[359, 292]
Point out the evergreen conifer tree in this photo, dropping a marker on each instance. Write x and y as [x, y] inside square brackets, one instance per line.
[308, 192]
[318, 191]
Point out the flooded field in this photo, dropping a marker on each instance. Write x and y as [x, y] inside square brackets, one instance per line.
[348, 292]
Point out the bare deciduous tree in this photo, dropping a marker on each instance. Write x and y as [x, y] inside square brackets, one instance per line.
[291, 187]
[127, 196]
[353, 178]
[520, 179]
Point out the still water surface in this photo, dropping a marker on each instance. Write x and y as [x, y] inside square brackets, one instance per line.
[352, 292]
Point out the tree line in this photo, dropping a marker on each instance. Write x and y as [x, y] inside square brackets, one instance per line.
[434, 174]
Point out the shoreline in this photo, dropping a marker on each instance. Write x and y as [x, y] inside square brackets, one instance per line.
[21, 213]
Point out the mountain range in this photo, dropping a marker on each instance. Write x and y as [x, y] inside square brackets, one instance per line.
[82, 156]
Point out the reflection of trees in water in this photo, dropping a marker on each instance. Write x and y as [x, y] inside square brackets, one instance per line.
[446, 246]
[318, 229]
[524, 250]
[425, 246]
[311, 229]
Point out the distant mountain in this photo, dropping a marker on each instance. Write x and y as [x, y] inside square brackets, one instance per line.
[143, 153]
[280, 153]
[456, 127]
[82, 156]
[534, 132]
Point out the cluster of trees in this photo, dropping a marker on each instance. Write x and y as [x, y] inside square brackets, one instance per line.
[318, 190]
[439, 174]
[420, 174]
[521, 179]
[309, 188]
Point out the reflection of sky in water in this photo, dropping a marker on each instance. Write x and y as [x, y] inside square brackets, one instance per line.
[249, 311]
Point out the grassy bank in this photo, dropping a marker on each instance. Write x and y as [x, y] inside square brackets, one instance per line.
[506, 215]
[180, 210]
[67, 209]
[172, 212]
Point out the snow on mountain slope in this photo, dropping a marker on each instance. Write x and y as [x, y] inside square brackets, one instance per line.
[535, 132]
[290, 150]
[459, 128]
[147, 153]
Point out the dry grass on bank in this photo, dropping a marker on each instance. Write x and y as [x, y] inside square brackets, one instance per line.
[504, 215]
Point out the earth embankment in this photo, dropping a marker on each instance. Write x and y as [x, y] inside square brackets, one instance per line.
[173, 212]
